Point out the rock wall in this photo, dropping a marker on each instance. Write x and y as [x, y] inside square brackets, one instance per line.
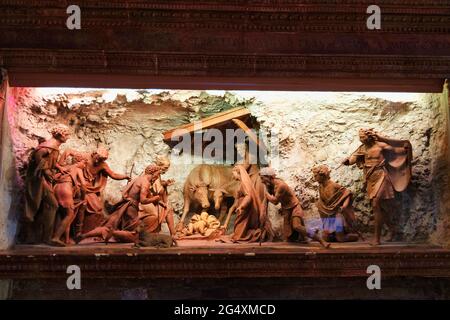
[312, 128]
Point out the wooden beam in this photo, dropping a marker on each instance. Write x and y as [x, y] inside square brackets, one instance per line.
[205, 123]
[250, 134]
[120, 80]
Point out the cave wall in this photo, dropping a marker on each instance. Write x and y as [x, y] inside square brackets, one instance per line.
[312, 128]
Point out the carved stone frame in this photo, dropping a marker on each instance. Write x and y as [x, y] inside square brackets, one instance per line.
[223, 44]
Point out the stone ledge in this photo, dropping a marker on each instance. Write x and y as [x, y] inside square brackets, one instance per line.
[225, 261]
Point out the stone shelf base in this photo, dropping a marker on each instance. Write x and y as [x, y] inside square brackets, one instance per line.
[203, 259]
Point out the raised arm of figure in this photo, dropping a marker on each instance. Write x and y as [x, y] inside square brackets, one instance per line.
[350, 160]
[114, 175]
[166, 183]
[398, 150]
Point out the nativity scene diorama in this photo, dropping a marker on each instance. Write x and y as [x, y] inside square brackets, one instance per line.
[245, 201]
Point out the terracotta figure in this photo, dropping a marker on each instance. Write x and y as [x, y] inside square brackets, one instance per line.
[138, 208]
[335, 208]
[251, 223]
[293, 227]
[160, 188]
[40, 200]
[69, 191]
[153, 214]
[386, 164]
[253, 172]
[96, 174]
[201, 224]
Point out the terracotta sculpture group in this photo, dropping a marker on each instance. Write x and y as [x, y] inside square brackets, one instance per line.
[386, 165]
[63, 197]
[64, 202]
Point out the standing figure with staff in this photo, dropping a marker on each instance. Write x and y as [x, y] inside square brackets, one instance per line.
[386, 164]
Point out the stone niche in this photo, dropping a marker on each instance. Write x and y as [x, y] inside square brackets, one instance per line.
[310, 128]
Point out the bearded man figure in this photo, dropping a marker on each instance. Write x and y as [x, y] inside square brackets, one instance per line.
[138, 209]
[386, 164]
[96, 174]
[294, 226]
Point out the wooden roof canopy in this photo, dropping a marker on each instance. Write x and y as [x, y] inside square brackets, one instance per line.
[221, 121]
[236, 118]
